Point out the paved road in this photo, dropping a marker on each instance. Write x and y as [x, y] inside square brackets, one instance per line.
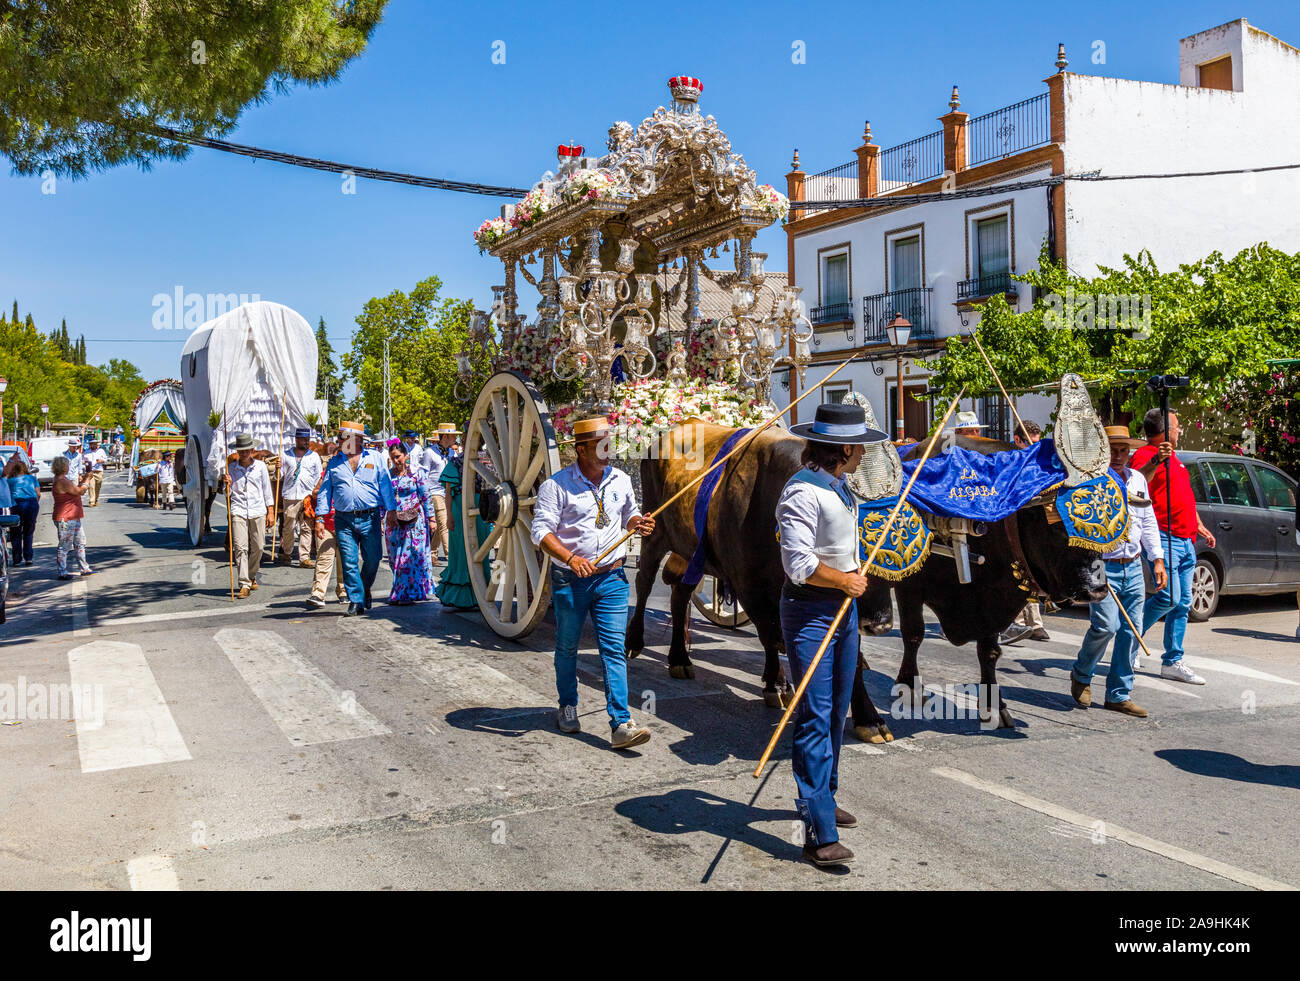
[259, 745]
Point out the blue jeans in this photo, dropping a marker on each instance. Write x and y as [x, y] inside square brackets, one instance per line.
[819, 721]
[20, 537]
[1107, 622]
[603, 597]
[358, 535]
[1180, 578]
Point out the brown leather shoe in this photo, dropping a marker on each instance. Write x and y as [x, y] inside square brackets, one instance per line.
[843, 819]
[832, 854]
[307, 564]
[1128, 707]
[1082, 694]
[243, 592]
[253, 584]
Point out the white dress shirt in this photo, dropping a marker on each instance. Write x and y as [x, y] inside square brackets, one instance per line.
[798, 517]
[76, 465]
[1143, 532]
[250, 490]
[567, 506]
[166, 474]
[95, 460]
[308, 470]
[434, 461]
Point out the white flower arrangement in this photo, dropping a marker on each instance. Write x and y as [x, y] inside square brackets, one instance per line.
[772, 202]
[643, 410]
[583, 185]
[532, 206]
[490, 233]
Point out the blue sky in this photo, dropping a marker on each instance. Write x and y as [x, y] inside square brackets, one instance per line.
[426, 98]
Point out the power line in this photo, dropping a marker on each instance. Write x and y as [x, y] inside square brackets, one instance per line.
[258, 153]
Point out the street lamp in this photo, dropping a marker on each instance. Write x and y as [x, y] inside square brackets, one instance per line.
[900, 331]
[45, 418]
[4, 383]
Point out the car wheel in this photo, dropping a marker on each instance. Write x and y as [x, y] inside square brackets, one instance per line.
[1205, 591]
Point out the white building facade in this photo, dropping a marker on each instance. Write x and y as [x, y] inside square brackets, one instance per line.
[936, 262]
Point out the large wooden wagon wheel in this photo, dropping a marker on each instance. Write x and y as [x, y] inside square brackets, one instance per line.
[708, 600]
[194, 490]
[513, 425]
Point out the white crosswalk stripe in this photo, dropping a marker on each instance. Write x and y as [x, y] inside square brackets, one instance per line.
[302, 701]
[127, 722]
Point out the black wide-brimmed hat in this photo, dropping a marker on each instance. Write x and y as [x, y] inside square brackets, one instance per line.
[836, 423]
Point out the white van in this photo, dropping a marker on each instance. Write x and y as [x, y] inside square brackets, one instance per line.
[44, 451]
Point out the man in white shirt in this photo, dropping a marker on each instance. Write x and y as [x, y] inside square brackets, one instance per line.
[167, 481]
[300, 473]
[251, 509]
[76, 462]
[94, 460]
[1124, 573]
[580, 512]
[436, 456]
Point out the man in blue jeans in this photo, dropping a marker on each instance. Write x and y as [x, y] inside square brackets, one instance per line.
[580, 512]
[1124, 573]
[1179, 526]
[356, 484]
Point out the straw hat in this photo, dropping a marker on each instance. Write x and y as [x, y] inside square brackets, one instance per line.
[351, 429]
[1121, 435]
[448, 429]
[968, 420]
[594, 427]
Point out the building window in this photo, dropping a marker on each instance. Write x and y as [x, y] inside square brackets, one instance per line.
[1216, 74]
[995, 412]
[992, 248]
[905, 263]
[834, 393]
[835, 280]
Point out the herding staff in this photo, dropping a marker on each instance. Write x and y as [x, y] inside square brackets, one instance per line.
[1020, 422]
[1132, 626]
[230, 519]
[279, 471]
[734, 450]
[86, 425]
[862, 571]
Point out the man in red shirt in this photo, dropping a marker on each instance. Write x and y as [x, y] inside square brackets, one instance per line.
[1179, 525]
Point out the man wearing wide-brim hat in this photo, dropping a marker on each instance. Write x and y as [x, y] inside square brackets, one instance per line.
[252, 508]
[1124, 573]
[968, 424]
[816, 517]
[95, 458]
[300, 473]
[356, 484]
[581, 511]
[436, 456]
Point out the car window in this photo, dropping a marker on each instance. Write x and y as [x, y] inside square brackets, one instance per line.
[1198, 484]
[1279, 492]
[1233, 483]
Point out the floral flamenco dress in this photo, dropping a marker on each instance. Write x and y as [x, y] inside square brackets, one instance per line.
[408, 542]
[454, 586]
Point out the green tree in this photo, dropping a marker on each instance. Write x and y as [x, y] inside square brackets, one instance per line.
[425, 332]
[329, 381]
[86, 80]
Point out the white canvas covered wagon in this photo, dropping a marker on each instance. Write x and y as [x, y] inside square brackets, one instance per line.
[250, 365]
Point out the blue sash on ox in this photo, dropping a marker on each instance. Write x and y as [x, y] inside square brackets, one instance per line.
[703, 495]
[1095, 513]
[961, 483]
[906, 546]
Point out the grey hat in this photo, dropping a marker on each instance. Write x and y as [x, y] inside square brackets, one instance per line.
[244, 441]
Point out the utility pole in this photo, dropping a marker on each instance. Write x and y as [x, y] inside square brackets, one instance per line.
[388, 405]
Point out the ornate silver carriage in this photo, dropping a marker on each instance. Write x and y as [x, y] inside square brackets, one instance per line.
[608, 232]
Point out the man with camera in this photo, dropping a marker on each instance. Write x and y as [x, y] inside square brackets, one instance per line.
[1175, 508]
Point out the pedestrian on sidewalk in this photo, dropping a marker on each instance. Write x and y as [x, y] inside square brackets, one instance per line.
[25, 490]
[94, 458]
[76, 462]
[816, 516]
[68, 514]
[252, 508]
[166, 481]
[437, 455]
[1029, 623]
[1179, 526]
[580, 512]
[356, 485]
[300, 473]
[410, 536]
[1124, 574]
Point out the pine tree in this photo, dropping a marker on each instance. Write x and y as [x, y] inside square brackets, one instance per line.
[65, 343]
[81, 353]
[14, 318]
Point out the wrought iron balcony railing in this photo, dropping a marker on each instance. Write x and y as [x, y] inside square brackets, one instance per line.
[985, 286]
[1008, 130]
[831, 313]
[880, 309]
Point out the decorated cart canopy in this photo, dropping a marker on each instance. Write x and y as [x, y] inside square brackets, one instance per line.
[158, 416]
[255, 367]
[613, 244]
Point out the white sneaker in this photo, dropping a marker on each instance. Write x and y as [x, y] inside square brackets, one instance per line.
[629, 734]
[1178, 671]
[567, 719]
[1137, 662]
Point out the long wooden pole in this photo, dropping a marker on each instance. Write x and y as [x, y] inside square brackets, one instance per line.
[86, 424]
[844, 607]
[1020, 422]
[734, 450]
[1132, 626]
[279, 473]
[230, 518]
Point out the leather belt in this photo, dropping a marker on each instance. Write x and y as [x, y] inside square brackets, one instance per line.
[1133, 558]
[599, 571]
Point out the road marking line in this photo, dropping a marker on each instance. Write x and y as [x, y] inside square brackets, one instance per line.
[80, 615]
[130, 725]
[1146, 681]
[1227, 667]
[152, 873]
[306, 705]
[1165, 850]
[224, 611]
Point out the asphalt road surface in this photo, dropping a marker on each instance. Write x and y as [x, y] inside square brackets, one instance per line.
[257, 745]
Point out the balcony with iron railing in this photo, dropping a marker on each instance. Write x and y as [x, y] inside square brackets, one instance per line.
[837, 184]
[831, 313]
[911, 162]
[1009, 130]
[982, 287]
[881, 308]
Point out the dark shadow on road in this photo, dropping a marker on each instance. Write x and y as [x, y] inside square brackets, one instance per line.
[1210, 763]
[1258, 635]
[515, 722]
